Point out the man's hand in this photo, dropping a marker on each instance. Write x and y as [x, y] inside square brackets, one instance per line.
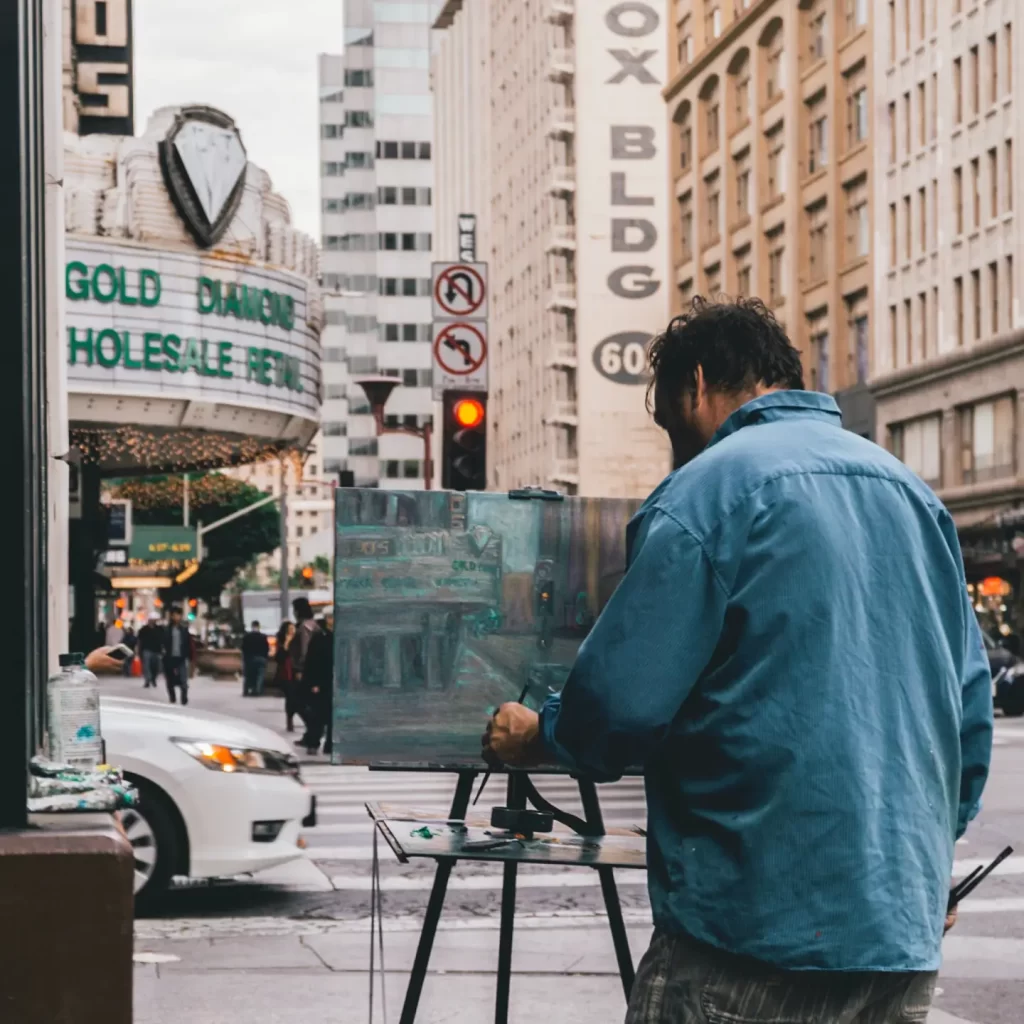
[100, 661]
[950, 920]
[513, 736]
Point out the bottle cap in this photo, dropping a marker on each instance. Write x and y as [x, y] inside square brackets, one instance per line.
[67, 660]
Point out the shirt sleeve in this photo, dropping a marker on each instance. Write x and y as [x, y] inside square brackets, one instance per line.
[644, 655]
[976, 726]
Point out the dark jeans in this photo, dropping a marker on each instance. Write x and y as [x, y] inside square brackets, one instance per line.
[681, 981]
[176, 674]
[254, 670]
[318, 721]
[150, 666]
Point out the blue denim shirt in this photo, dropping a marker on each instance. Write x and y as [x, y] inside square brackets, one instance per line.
[793, 659]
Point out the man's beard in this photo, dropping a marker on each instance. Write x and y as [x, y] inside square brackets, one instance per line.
[687, 444]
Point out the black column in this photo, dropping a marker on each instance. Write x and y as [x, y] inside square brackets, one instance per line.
[22, 409]
[85, 541]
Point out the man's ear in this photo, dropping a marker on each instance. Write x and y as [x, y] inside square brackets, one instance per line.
[700, 392]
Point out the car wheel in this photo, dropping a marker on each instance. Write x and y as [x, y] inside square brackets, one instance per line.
[150, 830]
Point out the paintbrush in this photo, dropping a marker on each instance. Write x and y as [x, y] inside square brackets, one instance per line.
[522, 697]
[974, 879]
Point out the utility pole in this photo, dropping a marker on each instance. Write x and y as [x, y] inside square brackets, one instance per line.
[285, 596]
[185, 508]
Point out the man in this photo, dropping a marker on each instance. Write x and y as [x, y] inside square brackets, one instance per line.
[793, 659]
[255, 651]
[150, 649]
[179, 656]
[305, 629]
[318, 683]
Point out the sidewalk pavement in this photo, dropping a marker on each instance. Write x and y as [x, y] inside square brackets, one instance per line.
[319, 971]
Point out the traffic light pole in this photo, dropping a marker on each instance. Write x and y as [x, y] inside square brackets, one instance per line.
[425, 432]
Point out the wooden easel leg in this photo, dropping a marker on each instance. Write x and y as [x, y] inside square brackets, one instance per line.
[610, 891]
[418, 975]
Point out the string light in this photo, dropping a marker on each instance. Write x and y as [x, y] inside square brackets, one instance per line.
[176, 450]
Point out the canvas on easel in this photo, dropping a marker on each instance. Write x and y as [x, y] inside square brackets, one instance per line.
[449, 604]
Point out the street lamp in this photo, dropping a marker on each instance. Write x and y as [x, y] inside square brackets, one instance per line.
[378, 391]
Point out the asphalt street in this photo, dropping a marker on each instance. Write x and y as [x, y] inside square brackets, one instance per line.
[328, 892]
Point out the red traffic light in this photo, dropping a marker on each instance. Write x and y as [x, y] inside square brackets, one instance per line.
[468, 413]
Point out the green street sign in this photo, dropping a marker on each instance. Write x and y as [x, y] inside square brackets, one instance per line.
[163, 544]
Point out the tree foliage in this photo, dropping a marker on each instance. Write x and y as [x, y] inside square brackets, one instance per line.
[159, 501]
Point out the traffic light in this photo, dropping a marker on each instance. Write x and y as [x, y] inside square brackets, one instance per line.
[464, 442]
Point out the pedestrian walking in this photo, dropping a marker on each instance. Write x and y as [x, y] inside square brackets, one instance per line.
[255, 652]
[150, 650]
[305, 629]
[318, 682]
[793, 659]
[178, 656]
[131, 641]
[285, 676]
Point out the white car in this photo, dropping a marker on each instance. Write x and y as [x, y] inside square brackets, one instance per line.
[219, 796]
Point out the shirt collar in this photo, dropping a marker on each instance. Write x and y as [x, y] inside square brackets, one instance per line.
[780, 405]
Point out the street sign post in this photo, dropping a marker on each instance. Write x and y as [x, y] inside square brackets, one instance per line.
[459, 356]
[460, 291]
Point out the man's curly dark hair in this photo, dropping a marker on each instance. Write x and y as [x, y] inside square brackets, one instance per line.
[738, 344]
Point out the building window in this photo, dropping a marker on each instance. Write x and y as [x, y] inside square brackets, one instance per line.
[713, 280]
[892, 132]
[907, 128]
[892, 31]
[817, 154]
[775, 70]
[976, 296]
[686, 225]
[958, 91]
[893, 237]
[856, 105]
[958, 300]
[713, 220]
[817, 219]
[858, 225]
[993, 184]
[908, 332]
[856, 15]
[922, 114]
[908, 228]
[860, 347]
[922, 220]
[894, 360]
[711, 125]
[987, 440]
[712, 22]
[1009, 59]
[993, 290]
[817, 31]
[685, 136]
[359, 118]
[776, 163]
[684, 34]
[820, 364]
[975, 193]
[741, 165]
[975, 81]
[331, 131]
[933, 119]
[958, 199]
[1008, 175]
[743, 272]
[776, 267]
[992, 54]
[741, 95]
[918, 445]
[922, 323]
[1011, 291]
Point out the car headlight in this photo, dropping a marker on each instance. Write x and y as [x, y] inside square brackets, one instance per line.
[220, 757]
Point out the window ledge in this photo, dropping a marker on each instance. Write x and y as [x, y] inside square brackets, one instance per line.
[770, 204]
[854, 264]
[768, 104]
[740, 223]
[818, 64]
[856, 149]
[814, 283]
[814, 176]
[711, 243]
[852, 37]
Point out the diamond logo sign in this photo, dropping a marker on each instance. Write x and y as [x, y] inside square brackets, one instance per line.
[203, 162]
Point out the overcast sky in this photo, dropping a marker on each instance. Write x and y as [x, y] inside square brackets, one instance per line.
[256, 61]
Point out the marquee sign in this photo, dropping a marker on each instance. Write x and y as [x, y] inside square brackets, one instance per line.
[177, 325]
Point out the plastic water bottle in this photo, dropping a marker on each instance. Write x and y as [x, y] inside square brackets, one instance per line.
[73, 697]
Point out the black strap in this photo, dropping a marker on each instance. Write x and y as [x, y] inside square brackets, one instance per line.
[578, 825]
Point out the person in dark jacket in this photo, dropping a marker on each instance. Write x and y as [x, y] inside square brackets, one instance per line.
[150, 649]
[318, 685]
[285, 677]
[179, 656]
[255, 652]
[305, 630]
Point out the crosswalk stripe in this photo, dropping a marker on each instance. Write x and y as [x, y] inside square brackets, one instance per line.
[1010, 866]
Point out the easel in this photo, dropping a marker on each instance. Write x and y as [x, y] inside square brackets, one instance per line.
[518, 788]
